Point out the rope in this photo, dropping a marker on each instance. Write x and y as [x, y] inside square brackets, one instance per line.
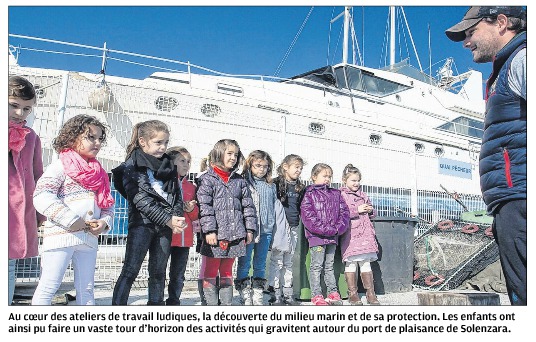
[278, 70]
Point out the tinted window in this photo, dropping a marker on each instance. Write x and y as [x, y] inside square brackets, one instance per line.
[465, 126]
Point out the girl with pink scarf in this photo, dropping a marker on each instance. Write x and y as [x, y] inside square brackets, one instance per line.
[74, 195]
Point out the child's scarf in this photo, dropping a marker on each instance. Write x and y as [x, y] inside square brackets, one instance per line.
[89, 174]
[224, 175]
[163, 168]
[17, 136]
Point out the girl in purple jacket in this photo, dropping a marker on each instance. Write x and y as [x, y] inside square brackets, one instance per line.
[325, 217]
[358, 244]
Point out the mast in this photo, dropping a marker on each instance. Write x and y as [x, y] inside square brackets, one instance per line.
[346, 30]
[345, 39]
[392, 16]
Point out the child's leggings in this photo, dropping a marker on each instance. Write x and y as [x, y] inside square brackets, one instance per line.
[351, 266]
[212, 267]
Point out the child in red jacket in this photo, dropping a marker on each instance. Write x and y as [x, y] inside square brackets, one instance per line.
[181, 243]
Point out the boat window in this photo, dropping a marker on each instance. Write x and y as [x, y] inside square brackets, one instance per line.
[380, 87]
[375, 139]
[166, 103]
[210, 110]
[419, 148]
[439, 152]
[316, 128]
[465, 126]
[365, 81]
[341, 80]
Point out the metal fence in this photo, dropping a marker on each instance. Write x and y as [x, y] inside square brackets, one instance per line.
[433, 207]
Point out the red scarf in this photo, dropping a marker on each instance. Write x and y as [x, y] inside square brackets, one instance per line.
[224, 175]
[17, 136]
[89, 174]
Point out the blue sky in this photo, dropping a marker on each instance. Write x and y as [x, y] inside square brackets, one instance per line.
[231, 39]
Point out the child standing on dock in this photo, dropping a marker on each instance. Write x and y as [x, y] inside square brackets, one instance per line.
[74, 195]
[25, 166]
[227, 217]
[148, 179]
[181, 243]
[289, 189]
[358, 244]
[257, 172]
[325, 216]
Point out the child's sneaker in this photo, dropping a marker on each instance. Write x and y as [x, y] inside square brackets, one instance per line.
[319, 300]
[334, 299]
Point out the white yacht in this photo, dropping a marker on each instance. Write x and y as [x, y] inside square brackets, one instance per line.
[410, 134]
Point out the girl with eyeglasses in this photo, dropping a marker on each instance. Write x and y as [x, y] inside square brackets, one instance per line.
[257, 171]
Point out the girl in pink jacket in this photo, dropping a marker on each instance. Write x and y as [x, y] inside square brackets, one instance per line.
[25, 166]
[358, 243]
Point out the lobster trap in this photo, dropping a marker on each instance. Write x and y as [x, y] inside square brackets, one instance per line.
[451, 252]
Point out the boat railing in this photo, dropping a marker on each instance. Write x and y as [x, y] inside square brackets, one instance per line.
[107, 51]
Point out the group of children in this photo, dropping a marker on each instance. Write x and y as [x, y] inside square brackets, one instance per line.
[242, 216]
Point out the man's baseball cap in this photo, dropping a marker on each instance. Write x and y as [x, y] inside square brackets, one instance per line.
[476, 13]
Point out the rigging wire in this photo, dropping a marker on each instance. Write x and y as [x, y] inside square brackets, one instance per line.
[355, 44]
[337, 46]
[411, 37]
[402, 33]
[278, 70]
[329, 35]
[385, 46]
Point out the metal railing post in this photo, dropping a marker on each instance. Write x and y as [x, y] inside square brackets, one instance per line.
[61, 107]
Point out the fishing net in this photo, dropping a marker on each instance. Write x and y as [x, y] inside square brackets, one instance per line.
[450, 252]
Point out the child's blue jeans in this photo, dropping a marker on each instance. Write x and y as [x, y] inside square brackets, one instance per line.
[322, 258]
[260, 252]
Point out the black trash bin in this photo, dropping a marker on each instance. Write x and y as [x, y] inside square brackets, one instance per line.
[300, 270]
[393, 271]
